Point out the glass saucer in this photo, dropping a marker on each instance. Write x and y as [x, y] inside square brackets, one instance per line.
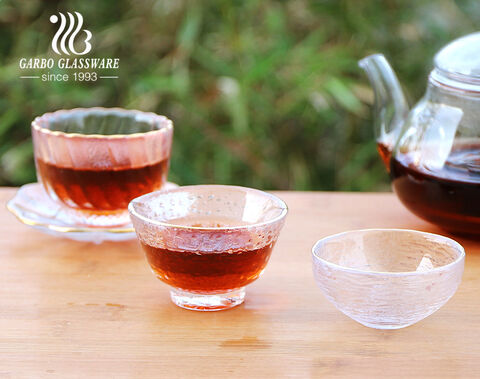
[33, 207]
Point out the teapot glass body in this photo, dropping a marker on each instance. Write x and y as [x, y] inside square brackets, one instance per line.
[433, 150]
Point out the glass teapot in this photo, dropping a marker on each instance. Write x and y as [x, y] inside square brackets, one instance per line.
[433, 150]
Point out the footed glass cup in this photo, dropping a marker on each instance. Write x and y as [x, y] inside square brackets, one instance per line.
[95, 161]
[208, 242]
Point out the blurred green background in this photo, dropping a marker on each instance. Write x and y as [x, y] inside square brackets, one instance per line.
[263, 93]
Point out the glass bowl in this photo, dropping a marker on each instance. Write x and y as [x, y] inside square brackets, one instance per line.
[208, 242]
[388, 278]
[94, 161]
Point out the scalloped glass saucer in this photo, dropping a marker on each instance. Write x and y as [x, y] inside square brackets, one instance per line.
[33, 207]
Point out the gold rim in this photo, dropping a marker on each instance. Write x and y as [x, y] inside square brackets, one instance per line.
[167, 124]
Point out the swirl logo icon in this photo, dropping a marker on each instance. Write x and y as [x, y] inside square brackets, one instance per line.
[67, 32]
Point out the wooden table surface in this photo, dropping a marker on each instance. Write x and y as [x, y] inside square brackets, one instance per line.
[72, 309]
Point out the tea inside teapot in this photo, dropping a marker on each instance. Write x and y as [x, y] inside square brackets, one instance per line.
[433, 151]
[448, 196]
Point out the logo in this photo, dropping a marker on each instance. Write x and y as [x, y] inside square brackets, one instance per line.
[74, 26]
[72, 43]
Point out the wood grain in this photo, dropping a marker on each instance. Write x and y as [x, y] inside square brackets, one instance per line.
[71, 309]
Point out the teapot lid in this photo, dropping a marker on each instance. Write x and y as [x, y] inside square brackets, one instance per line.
[458, 63]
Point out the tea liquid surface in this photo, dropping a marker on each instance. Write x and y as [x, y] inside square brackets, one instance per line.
[208, 272]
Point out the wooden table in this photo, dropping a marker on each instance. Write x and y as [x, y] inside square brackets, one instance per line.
[71, 309]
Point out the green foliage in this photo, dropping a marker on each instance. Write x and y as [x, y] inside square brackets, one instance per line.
[263, 93]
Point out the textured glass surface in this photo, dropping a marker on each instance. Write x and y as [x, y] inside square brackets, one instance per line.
[94, 161]
[208, 241]
[388, 279]
[101, 138]
[257, 212]
[32, 206]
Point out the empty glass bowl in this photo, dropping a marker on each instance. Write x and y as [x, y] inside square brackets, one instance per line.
[388, 278]
[208, 241]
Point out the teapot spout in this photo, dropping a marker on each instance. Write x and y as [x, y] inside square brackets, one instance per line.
[391, 108]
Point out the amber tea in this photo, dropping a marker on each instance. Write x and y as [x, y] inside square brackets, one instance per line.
[385, 152]
[208, 271]
[106, 189]
[208, 242]
[96, 160]
[447, 197]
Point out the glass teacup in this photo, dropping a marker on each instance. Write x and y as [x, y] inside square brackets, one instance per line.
[388, 278]
[208, 241]
[95, 161]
